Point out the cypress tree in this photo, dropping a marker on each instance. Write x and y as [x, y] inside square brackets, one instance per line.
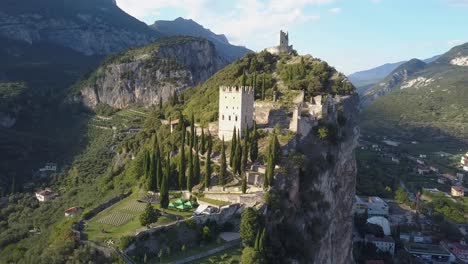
[244, 79]
[257, 241]
[208, 169]
[181, 125]
[146, 165]
[164, 194]
[254, 144]
[244, 182]
[223, 169]
[190, 172]
[233, 148]
[192, 133]
[159, 172]
[151, 181]
[263, 88]
[202, 142]
[245, 153]
[238, 157]
[182, 163]
[261, 245]
[160, 103]
[196, 166]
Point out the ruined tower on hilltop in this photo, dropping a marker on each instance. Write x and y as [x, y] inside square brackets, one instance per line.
[236, 110]
[284, 46]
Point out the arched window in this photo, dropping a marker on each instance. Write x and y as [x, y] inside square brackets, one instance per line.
[229, 118]
[236, 118]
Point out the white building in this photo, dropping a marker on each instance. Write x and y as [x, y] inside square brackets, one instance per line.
[464, 162]
[376, 207]
[45, 195]
[383, 244]
[236, 110]
[49, 167]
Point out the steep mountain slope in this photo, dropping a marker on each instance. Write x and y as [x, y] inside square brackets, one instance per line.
[435, 98]
[364, 80]
[392, 81]
[188, 27]
[89, 26]
[374, 75]
[146, 75]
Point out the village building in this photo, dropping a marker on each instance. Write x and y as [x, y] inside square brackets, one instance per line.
[422, 170]
[464, 162]
[457, 191]
[283, 47]
[429, 252]
[49, 167]
[45, 195]
[236, 110]
[383, 244]
[73, 211]
[460, 250]
[376, 207]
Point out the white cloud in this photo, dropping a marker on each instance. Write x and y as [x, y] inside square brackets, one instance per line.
[335, 10]
[245, 22]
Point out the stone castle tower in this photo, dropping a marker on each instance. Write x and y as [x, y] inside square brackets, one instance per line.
[283, 46]
[236, 110]
[284, 39]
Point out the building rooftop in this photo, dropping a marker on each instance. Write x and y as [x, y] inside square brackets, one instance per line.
[372, 238]
[45, 192]
[426, 249]
[73, 210]
[458, 188]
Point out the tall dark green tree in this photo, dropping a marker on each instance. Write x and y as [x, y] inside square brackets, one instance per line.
[192, 132]
[182, 168]
[263, 87]
[196, 165]
[164, 193]
[238, 157]
[249, 226]
[160, 104]
[244, 79]
[148, 216]
[272, 158]
[190, 171]
[244, 182]
[152, 181]
[202, 142]
[245, 154]
[208, 169]
[223, 168]
[254, 143]
[233, 148]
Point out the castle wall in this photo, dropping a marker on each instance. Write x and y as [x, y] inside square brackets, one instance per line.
[236, 109]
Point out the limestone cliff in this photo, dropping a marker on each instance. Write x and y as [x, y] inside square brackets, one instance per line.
[142, 76]
[309, 210]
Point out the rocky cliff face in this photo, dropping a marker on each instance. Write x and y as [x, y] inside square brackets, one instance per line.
[310, 209]
[90, 27]
[143, 76]
[393, 81]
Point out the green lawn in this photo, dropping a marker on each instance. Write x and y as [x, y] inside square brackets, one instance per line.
[190, 252]
[232, 255]
[122, 219]
[213, 201]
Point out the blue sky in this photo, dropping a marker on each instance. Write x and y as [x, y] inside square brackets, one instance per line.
[350, 35]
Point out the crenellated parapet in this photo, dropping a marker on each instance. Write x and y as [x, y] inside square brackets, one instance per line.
[237, 89]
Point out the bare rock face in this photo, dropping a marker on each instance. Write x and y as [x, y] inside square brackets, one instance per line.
[143, 76]
[309, 214]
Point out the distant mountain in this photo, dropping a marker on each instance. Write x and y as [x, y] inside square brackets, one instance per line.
[92, 27]
[188, 27]
[430, 100]
[364, 80]
[392, 81]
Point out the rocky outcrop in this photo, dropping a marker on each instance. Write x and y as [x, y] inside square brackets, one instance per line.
[309, 210]
[90, 27]
[393, 81]
[146, 75]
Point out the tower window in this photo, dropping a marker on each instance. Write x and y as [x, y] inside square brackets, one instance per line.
[236, 118]
[229, 118]
[223, 117]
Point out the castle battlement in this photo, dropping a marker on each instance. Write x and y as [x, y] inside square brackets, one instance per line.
[237, 89]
